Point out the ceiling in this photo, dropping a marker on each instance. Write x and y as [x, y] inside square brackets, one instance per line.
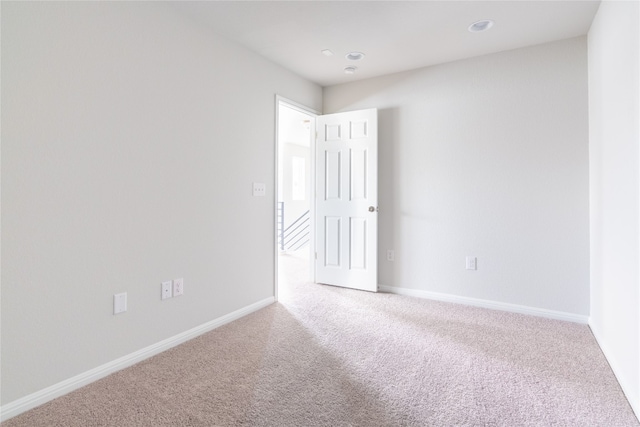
[394, 35]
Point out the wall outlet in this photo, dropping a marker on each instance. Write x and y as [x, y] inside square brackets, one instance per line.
[472, 263]
[391, 255]
[166, 289]
[259, 189]
[120, 303]
[178, 287]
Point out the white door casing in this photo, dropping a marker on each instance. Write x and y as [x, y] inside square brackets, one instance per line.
[347, 199]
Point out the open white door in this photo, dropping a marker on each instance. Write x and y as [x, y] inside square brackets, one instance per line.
[347, 199]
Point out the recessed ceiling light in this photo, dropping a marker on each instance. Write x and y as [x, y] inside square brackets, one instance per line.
[327, 52]
[479, 26]
[350, 70]
[354, 56]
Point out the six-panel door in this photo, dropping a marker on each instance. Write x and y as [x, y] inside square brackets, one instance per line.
[347, 199]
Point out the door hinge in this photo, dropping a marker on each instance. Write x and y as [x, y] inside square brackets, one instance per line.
[316, 255]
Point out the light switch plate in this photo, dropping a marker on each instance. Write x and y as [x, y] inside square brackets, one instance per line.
[259, 189]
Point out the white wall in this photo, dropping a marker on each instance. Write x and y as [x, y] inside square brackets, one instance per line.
[130, 141]
[485, 157]
[614, 134]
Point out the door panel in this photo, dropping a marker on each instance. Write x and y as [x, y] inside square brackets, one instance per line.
[358, 174]
[333, 178]
[358, 244]
[346, 199]
[332, 239]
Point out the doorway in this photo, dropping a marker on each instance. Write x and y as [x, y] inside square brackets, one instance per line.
[294, 202]
[327, 188]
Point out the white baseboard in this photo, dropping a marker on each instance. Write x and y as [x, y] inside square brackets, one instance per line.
[38, 398]
[494, 305]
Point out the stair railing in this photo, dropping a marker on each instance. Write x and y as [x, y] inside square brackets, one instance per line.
[297, 234]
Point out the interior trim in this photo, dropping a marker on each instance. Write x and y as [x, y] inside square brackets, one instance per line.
[493, 305]
[45, 395]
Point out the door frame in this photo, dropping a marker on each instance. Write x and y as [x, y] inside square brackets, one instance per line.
[282, 101]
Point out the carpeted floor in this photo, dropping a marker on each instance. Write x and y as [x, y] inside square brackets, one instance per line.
[326, 356]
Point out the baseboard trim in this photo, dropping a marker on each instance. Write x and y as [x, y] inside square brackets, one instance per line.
[43, 396]
[493, 305]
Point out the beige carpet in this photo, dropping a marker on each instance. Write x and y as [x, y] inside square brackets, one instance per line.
[327, 356]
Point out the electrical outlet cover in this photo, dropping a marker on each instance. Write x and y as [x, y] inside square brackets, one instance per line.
[391, 255]
[472, 263]
[120, 303]
[178, 287]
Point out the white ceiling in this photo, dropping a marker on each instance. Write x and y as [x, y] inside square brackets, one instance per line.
[395, 35]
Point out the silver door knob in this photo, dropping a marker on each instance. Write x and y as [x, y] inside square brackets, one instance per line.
[372, 209]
